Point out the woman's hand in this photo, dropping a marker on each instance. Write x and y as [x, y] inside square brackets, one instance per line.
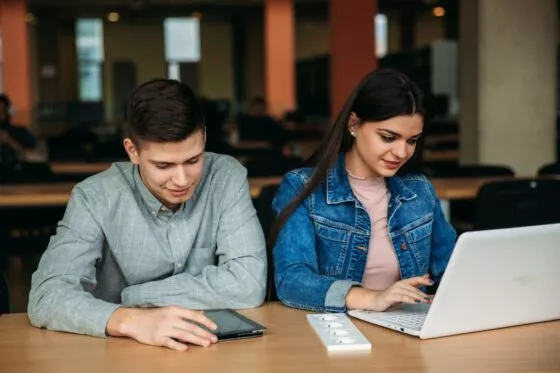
[404, 291]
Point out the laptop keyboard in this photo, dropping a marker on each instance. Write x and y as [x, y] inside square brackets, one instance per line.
[413, 320]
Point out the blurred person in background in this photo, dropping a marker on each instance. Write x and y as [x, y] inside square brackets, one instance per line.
[15, 141]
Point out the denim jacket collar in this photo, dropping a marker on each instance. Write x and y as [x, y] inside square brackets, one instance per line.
[339, 189]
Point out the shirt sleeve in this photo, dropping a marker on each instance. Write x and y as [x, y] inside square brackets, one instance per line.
[60, 297]
[298, 281]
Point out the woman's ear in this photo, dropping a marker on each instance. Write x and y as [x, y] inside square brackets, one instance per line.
[353, 122]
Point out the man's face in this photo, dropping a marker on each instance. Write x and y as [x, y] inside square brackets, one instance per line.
[170, 170]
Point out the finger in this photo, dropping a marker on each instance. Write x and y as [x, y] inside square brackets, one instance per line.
[188, 337]
[412, 290]
[192, 328]
[404, 297]
[418, 281]
[175, 345]
[197, 316]
[412, 295]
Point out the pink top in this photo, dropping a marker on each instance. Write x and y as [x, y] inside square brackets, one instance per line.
[382, 268]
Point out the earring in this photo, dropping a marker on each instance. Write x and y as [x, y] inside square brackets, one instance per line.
[353, 133]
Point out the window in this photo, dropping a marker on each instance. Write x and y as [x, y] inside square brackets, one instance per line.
[182, 39]
[173, 71]
[89, 47]
[381, 35]
[182, 44]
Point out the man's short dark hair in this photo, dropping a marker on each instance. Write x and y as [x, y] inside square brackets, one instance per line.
[163, 110]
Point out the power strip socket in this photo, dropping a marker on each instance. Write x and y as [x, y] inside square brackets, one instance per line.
[337, 332]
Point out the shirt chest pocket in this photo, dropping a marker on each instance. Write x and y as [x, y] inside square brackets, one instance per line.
[332, 248]
[419, 240]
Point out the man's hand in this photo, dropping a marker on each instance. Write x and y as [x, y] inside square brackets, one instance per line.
[171, 327]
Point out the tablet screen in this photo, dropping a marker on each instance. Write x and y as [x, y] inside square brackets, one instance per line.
[232, 324]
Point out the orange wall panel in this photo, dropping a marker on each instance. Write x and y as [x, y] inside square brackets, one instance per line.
[352, 46]
[279, 56]
[15, 58]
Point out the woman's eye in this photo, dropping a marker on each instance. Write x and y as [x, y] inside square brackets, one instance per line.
[387, 138]
[412, 141]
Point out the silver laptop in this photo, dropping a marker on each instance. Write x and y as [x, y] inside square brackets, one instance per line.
[494, 279]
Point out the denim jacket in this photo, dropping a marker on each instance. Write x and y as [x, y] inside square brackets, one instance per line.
[322, 249]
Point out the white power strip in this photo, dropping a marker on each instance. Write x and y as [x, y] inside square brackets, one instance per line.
[337, 332]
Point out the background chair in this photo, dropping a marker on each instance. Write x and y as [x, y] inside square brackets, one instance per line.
[463, 211]
[517, 203]
[4, 294]
[266, 217]
[24, 172]
[549, 169]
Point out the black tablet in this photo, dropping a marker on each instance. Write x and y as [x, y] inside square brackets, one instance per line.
[233, 325]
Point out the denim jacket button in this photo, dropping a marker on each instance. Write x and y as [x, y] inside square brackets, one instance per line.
[404, 246]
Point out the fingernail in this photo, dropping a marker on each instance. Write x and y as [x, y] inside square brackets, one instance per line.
[418, 301]
[214, 326]
[430, 282]
[426, 298]
[214, 339]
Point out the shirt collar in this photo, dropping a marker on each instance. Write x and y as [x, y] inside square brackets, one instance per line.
[152, 203]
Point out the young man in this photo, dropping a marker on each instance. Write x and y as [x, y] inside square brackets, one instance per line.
[144, 243]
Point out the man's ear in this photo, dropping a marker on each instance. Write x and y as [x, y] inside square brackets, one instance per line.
[132, 150]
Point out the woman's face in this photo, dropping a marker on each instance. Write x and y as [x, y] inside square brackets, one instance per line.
[382, 148]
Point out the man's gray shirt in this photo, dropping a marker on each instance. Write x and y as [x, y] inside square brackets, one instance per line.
[118, 245]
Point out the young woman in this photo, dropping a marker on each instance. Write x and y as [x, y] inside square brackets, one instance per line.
[357, 231]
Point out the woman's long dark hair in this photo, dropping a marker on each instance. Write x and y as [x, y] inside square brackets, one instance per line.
[381, 95]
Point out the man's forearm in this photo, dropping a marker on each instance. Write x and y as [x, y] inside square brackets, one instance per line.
[57, 306]
[215, 287]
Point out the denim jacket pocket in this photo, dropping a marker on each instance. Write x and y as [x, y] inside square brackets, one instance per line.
[419, 240]
[332, 247]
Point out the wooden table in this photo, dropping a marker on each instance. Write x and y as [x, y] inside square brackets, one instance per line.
[53, 194]
[56, 194]
[290, 345]
[462, 188]
[65, 168]
[440, 155]
[35, 195]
